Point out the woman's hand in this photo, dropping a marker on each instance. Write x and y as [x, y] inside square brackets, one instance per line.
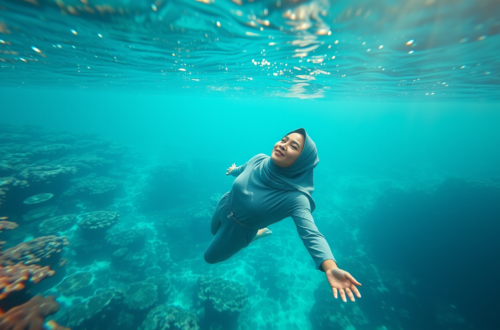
[341, 280]
[230, 169]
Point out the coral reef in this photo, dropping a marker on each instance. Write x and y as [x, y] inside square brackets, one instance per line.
[221, 300]
[7, 225]
[170, 318]
[133, 240]
[16, 277]
[140, 295]
[51, 151]
[46, 174]
[74, 283]
[40, 213]
[98, 312]
[44, 251]
[100, 191]
[56, 224]
[31, 315]
[18, 274]
[221, 295]
[95, 224]
[39, 198]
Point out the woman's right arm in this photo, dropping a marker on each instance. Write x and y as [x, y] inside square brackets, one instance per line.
[235, 171]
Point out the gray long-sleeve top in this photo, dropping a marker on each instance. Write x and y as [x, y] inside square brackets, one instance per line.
[258, 206]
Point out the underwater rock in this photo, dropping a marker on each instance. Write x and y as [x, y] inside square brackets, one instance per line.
[164, 285]
[46, 174]
[170, 318]
[51, 151]
[40, 213]
[221, 295]
[98, 312]
[118, 257]
[95, 224]
[221, 300]
[73, 283]
[88, 250]
[100, 190]
[153, 271]
[140, 295]
[135, 262]
[57, 224]
[38, 198]
[132, 239]
[126, 321]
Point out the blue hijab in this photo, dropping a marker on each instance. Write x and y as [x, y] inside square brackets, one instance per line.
[298, 176]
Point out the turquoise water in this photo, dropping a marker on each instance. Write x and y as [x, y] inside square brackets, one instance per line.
[138, 108]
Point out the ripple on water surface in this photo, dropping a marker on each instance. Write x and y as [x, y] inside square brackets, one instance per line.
[301, 49]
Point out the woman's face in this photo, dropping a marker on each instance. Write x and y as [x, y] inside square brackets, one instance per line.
[286, 151]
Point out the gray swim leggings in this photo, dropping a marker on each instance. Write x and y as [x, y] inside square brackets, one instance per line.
[230, 237]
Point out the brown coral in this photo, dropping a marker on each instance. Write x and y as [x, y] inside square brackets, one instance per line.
[43, 250]
[14, 278]
[7, 225]
[31, 315]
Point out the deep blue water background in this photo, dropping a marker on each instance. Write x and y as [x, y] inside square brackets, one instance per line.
[407, 188]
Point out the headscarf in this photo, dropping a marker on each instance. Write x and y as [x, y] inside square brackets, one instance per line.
[298, 176]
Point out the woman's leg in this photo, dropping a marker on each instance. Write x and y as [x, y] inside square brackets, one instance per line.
[229, 239]
[214, 227]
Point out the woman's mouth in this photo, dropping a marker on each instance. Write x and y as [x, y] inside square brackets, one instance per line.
[277, 152]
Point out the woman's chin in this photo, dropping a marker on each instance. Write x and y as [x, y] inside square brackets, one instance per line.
[277, 162]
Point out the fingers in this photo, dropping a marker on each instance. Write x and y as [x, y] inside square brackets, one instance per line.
[349, 293]
[342, 295]
[356, 292]
[352, 279]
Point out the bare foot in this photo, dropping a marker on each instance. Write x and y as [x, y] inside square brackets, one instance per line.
[262, 233]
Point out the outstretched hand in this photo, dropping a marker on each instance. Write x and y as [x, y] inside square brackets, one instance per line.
[341, 280]
[230, 169]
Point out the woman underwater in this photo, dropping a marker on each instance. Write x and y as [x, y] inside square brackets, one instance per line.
[267, 190]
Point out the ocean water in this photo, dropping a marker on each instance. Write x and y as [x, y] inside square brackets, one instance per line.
[118, 120]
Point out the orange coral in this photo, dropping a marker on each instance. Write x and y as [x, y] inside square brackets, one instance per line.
[13, 278]
[7, 224]
[31, 315]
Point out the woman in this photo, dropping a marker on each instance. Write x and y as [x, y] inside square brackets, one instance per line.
[267, 190]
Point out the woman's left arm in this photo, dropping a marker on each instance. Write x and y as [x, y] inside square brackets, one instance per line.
[319, 250]
[314, 241]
